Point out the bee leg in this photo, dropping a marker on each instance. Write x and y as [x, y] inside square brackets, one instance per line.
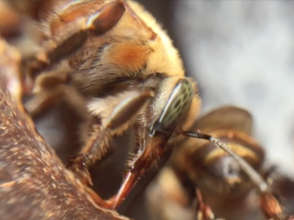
[69, 35]
[94, 150]
[50, 88]
[40, 102]
[43, 100]
[108, 17]
[280, 186]
[203, 211]
[271, 206]
[119, 114]
[141, 164]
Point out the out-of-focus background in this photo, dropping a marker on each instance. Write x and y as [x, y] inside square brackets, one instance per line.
[241, 53]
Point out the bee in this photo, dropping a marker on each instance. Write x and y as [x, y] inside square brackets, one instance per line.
[198, 169]
[113, 63]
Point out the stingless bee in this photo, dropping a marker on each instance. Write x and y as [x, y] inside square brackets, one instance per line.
[114, 64]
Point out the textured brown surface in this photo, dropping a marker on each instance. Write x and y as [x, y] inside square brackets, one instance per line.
[33, 182]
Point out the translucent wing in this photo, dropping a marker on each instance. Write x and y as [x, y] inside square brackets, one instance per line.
[227, 117]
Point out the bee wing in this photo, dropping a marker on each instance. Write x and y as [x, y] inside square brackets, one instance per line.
[227, 117]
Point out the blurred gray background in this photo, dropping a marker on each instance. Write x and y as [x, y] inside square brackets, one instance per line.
[241, 52]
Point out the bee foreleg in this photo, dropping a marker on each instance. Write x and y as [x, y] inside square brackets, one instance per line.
[40, 102]
[117, 114]
[203, 211]
[151, 156]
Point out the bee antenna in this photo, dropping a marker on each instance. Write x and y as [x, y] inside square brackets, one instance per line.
[253, 175]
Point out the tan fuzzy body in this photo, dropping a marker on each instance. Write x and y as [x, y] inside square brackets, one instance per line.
[115, 63]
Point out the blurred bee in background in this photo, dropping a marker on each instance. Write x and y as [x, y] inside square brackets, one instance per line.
[115, 66]
[214, 172]
[198, 169]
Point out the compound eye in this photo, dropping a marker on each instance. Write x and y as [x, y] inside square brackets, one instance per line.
[231, 169]
[176, 106]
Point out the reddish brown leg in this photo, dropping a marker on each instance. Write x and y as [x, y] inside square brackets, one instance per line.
[272, 208]
[203, 210]
[269, 204]
[140, 165]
